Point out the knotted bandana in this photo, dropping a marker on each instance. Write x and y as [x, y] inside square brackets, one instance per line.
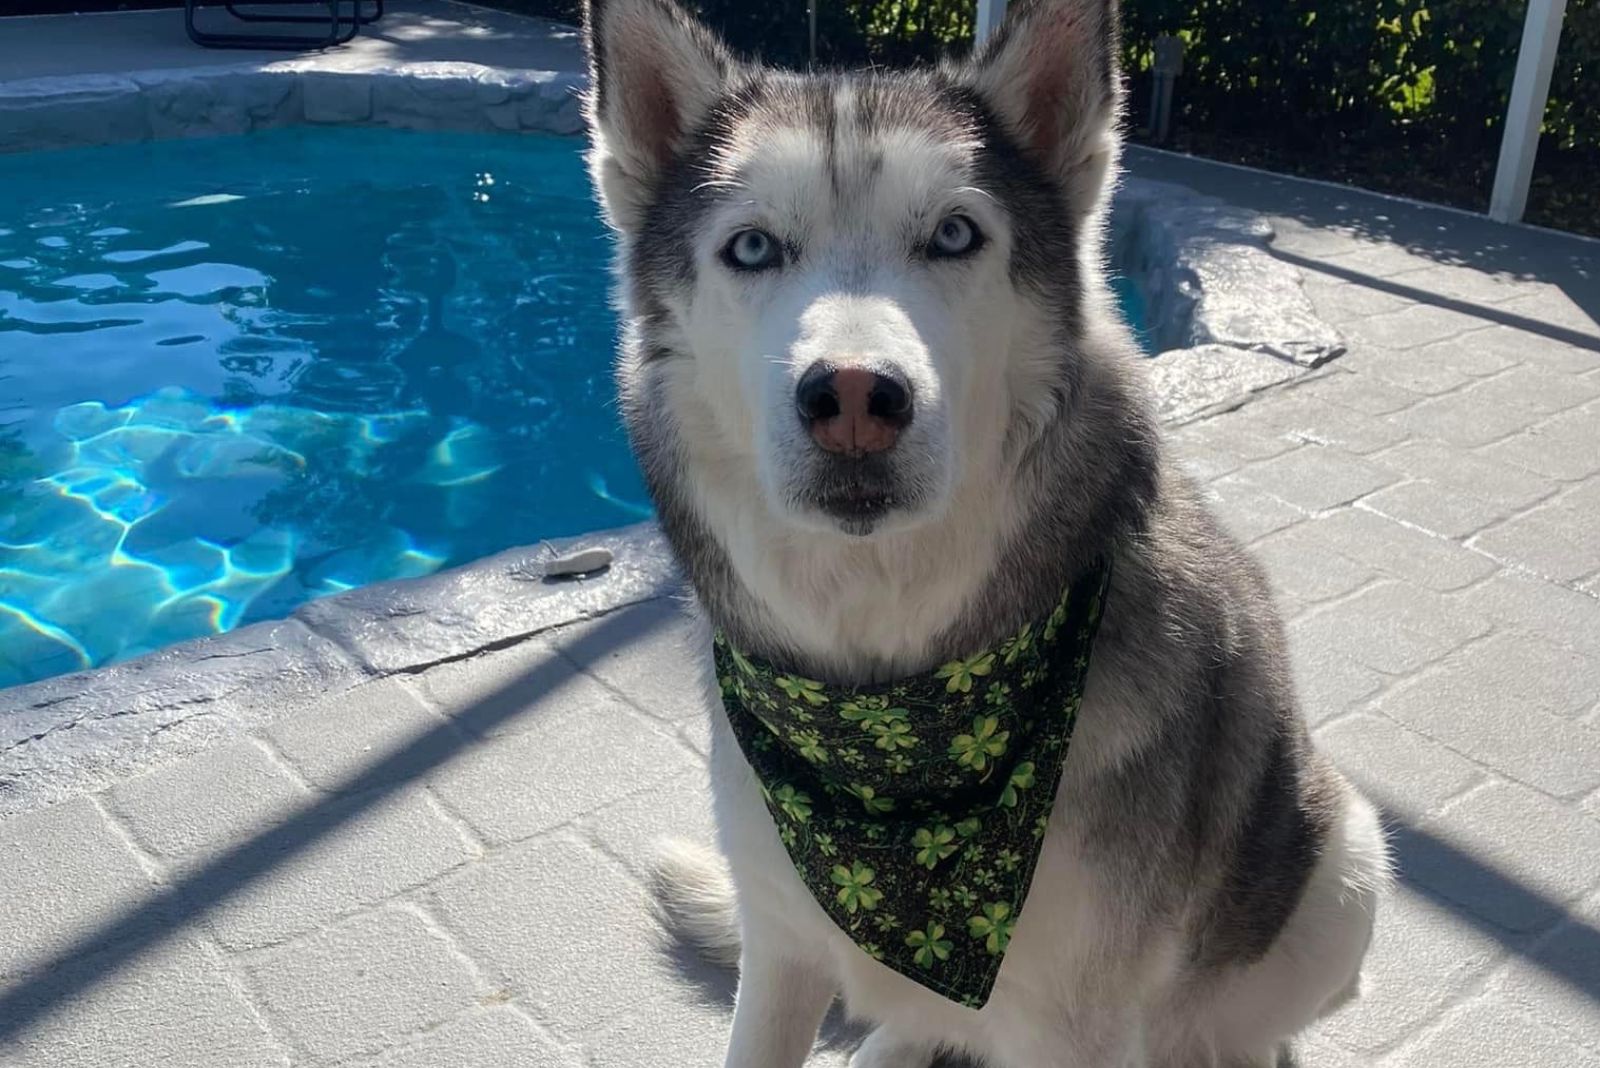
[915, 811]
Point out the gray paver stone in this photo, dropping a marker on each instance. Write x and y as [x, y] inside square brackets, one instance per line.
[1415, 937]
[266, 860]
[1249, 513]
[1566, 446]
[497, 1037]
[1318, 477]
[1385, 545]
[1475, 701]
[1560, 616]
[1363, 392]
[360, 986]
[511, 690]
[575, 760]
[66, 845]
[1507, 487]
[169, 1005]
[1506, 853]
[1487, 1031]
[1413, 327]
[1556, 980]
[632, 829]
[560, 926]
[658, 657]
[1415, 774]
[1393, 627]
[337, 744]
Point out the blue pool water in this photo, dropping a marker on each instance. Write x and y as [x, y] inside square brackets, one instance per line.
[240, 373]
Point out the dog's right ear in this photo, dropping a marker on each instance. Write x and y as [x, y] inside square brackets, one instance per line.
[654, 73]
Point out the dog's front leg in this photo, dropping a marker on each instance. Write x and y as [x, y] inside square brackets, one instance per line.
[779, 1007]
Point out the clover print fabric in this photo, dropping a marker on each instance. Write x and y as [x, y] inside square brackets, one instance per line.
[915, 811]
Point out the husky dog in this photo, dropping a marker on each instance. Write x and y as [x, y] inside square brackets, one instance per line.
[886, 410]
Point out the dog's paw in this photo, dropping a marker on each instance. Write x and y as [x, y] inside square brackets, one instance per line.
[883, 1050]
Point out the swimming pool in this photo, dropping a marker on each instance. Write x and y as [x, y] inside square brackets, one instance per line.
[243, 372]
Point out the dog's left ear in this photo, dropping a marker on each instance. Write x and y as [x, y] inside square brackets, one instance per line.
[1050, 73]
[654, 74]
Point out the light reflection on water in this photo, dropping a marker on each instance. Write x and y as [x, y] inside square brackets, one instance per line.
[239, 373]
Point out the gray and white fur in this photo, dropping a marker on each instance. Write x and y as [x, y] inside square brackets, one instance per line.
[1207, 886]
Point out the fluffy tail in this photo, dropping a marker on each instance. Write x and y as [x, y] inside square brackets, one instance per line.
[695, 892]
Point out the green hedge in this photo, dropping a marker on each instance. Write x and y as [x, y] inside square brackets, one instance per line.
[1397, 95]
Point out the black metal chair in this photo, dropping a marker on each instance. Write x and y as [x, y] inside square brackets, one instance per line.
[343, 20]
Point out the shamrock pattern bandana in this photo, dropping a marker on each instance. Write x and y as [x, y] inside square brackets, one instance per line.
[915, 811]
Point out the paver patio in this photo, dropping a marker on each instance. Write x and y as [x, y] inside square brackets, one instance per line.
[444, 868]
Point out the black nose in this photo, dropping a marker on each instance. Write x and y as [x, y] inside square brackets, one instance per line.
[853, 410]
[825, 392]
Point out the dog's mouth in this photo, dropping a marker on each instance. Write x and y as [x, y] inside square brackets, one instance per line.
[857, 496]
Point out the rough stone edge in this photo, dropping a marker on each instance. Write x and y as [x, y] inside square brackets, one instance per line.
[1227, 318]
[84, 110]
[78, 733]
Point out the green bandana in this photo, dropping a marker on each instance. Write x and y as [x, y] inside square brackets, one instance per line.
[915, 811]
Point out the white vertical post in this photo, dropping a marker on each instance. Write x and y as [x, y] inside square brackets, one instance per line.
[991, 13]
[1536, 61]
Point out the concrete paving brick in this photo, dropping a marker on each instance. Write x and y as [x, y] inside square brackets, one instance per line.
[563, 928]
[1556, 980]
[497, 1037]
[1534, 606]
[1362, 392]
[172, 1005]
[507, 691]
[361, 986]
[1413, 327]
[270, 860]
[1487, 1031]
[1533, 389]
[337, 744]
[1415, 774]
[1415, 937]
[1466, 418]
[1506, 853]
[1467, 284]
[1249, 513]
[632, 829]
[1467, 354]
[1304, 571]
[1328, 681]
[1221, 445]
[1555, 539]
[1550, 305]
[1317, 477]
[207, 803]
[659, 658]
[1379, 259]
[1308, 417]
[1487, 708]
[1528, 346]
[1427, 375]
[574, 760]
[1386, 546]
[1433, 508]
[1394, 627]
[66, 845]
[1565, 447]
[1338, 300]
[1503, 486]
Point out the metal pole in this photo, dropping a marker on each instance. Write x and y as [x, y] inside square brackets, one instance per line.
[1536, 61]
[813, 11]
[991, 13]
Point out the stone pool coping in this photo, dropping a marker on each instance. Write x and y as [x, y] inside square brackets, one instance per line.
[1234, 321]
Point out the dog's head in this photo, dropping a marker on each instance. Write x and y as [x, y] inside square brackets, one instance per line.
[865, 285]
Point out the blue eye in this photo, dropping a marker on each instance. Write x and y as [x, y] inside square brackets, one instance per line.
[752, 250]
[956, 235]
